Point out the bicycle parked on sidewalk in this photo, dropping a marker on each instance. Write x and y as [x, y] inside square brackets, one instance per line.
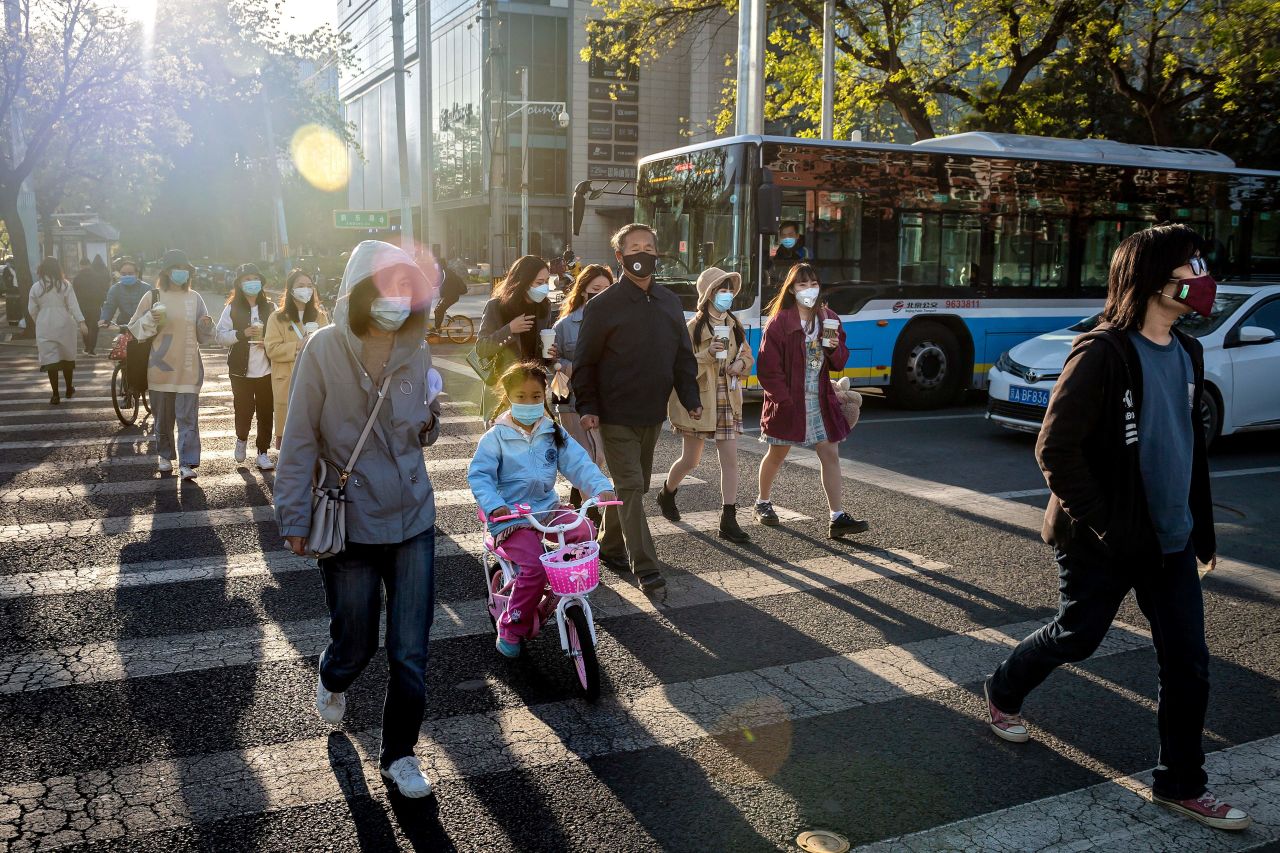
[124, 399]
[573, 571]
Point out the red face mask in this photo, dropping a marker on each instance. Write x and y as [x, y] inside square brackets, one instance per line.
[1196, 293]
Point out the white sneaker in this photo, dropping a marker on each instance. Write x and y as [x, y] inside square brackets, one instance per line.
[408, 777]
[242, 450]
[329, 705]
[164, 466]
[187, 472]
[265, 463]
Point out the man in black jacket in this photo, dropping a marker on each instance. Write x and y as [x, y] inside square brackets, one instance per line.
[633, 349]
[1123, 452]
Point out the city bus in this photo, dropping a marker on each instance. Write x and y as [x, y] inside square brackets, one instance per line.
[941, 255]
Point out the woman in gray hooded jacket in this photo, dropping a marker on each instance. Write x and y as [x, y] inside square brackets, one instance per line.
[375, 345]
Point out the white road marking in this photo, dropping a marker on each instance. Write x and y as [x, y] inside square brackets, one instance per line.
[140, 438]
[1214, 475]
[1117, 815]
[446, 546]
[112, 802]
[118, 660]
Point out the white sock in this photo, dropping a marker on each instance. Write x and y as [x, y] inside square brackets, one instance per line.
[760, 500]
[836, 513]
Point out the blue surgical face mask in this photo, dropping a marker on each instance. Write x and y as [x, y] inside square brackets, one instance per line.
[252, 287]
[179, 277]
[389, 312]
[127, 280]
[723, 301]
[788, 242]
[539, 292]
[527, 413]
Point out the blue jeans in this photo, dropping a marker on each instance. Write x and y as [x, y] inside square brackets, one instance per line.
[1091, 589]
[353, 583]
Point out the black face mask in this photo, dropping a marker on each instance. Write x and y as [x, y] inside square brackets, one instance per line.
[639, 265]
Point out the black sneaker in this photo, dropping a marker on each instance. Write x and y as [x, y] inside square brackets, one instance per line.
[765, 515]
[844, 524]
[667, 503]
[652, 582]
[617, 563]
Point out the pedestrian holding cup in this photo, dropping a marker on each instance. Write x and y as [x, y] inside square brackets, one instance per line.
[548, 337]
[724, 358]
[241, 329]
[800, 405]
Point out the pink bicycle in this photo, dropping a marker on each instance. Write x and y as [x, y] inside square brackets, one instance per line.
[573, 571]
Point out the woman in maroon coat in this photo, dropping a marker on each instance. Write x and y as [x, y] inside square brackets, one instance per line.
[800, 406]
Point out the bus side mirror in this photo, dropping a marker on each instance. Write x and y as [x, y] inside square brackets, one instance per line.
[768, 205]
[580, 205]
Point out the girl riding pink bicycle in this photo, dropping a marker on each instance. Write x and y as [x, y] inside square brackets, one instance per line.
[515, 468]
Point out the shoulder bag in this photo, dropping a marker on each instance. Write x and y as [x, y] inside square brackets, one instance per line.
[328, 534]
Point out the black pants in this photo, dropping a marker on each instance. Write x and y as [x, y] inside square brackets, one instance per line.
[1092, 588]
[91, 311]
[250, 397]
[445, 303]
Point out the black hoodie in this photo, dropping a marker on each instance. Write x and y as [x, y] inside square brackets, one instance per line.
[1088, 451]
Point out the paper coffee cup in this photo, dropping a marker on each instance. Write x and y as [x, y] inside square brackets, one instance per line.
[722, 334]
[830, 332]
[548, 341]
[310, 328]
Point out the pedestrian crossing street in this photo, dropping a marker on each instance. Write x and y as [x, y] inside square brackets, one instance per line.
[157, 672]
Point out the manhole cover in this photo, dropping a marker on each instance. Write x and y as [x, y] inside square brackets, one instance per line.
[821, 841]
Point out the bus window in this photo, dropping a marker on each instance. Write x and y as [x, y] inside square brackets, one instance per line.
[1266, 244]
[1100, 241]
[939, 249]
[1030, 251]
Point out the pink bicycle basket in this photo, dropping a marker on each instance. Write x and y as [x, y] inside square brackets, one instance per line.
[573, 569]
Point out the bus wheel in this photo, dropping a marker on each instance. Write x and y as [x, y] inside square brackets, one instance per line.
[927, 369]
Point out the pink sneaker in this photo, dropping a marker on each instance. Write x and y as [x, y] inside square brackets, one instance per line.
[1008, 727]
[1209, 810]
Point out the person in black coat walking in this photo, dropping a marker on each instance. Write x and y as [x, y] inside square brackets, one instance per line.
[91, 285]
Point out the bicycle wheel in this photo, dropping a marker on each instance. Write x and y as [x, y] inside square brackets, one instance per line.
[459, 328]
[582, 651]
[122, 400]
[146, 400]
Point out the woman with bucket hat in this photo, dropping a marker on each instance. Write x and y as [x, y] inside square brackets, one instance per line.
[724, 361]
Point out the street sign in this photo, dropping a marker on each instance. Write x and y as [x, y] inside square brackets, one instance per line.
[361, 219]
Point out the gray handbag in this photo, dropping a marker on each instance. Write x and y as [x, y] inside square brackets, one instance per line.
[328, 534]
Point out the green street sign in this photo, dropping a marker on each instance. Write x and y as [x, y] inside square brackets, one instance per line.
[361, 219]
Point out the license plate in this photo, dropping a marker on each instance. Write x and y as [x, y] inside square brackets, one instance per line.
[1030, 396]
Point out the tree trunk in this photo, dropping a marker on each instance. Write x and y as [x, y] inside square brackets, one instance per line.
[23, 263]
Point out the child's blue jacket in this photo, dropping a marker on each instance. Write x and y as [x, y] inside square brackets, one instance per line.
[513, 467]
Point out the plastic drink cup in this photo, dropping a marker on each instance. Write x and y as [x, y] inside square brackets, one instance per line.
[548, 341]
[721, 334]
[830, 333]
[160, 313]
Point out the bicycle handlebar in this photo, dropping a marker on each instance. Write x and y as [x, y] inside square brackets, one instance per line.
[525, 511]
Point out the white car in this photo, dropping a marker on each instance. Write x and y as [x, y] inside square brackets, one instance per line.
[1241, 365]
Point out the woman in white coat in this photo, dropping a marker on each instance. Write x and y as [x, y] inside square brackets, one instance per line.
[57, 315]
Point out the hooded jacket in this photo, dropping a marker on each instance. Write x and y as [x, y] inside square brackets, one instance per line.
[389, 494]
[1088, 451]
[513, 467]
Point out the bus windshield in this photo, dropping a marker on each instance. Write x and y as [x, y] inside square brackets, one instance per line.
[697, 203]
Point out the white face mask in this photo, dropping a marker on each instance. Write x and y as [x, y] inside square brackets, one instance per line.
[389, 312]
[808, 297]
[302, 294]
[538, 292]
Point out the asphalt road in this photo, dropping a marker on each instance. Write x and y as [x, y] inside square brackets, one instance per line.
[158, 652]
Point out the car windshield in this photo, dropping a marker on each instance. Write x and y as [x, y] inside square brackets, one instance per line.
[1193, 324]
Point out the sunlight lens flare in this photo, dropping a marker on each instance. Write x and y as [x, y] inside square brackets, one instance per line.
[320, 157]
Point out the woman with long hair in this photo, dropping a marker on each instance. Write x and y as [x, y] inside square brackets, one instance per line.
[591, 280]
[800, 406]
[242, 327]
[514, 320]
[299, 316]
[723, 365]
[174, 318]
[57, 316]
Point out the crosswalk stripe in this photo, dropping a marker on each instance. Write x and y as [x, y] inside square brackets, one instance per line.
[42, 406]
[118, 660]
[434, 465]
[1117, 815]
[107, 415]
[445, 546]
[111, 802]
[133, 439]
[445, 420]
